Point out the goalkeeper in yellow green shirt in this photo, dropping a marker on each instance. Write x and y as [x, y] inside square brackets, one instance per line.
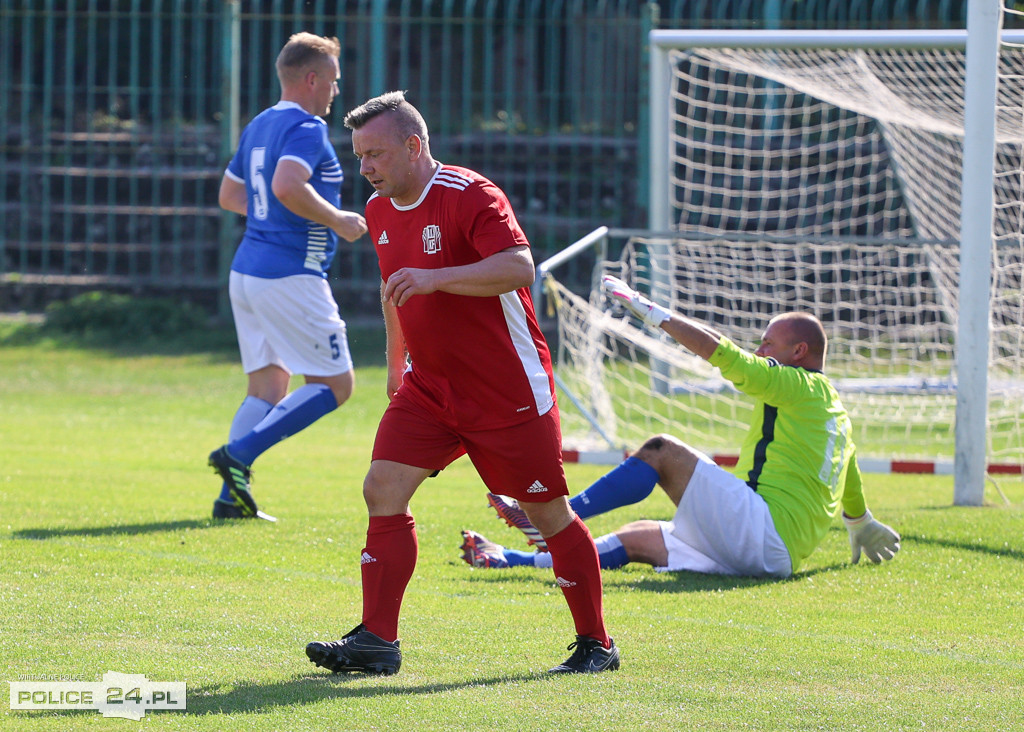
[797, 465]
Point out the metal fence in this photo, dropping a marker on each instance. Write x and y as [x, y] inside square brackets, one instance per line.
[118, 116]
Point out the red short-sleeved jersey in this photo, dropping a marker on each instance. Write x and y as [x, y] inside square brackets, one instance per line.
[482, 361]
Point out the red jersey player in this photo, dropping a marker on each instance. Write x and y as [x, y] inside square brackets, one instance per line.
[469, 373]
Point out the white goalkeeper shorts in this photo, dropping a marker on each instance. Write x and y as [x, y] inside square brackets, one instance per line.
[721, 526]
[290, 322]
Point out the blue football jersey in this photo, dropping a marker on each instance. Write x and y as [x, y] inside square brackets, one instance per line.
[277, 242]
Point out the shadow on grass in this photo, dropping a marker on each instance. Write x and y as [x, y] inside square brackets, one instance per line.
[118, 529]
[248, 696]
[677, 582]
[649, 580]
[1001, 551]
[218, 341]
[996, 551]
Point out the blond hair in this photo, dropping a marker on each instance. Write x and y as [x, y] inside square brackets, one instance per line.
[302, 52]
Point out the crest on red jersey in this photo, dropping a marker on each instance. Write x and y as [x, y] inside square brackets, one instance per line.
[431, 239]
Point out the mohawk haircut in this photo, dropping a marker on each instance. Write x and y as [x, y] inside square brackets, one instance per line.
[408, 120]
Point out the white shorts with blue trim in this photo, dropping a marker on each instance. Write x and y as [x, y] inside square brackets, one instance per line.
[721, 526]
[289, 322]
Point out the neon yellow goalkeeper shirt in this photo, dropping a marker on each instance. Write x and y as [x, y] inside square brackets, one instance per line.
[799, 453]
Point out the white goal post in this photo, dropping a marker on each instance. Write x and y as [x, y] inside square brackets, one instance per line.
[823, 170]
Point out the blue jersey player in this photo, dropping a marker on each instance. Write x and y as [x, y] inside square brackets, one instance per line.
[286, 180]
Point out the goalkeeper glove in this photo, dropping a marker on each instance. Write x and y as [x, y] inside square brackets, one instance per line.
[652, 315]
[877, 540]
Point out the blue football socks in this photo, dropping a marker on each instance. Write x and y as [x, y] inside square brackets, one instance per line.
[250, 413]
[516, 558]
[294, 413]
[630, 482]
[609, 550]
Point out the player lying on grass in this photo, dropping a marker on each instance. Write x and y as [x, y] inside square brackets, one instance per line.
[796, 466]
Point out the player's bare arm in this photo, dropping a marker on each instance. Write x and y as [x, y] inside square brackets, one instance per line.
[395, 349]
[505, 271]
[291, 187]
[232, 196]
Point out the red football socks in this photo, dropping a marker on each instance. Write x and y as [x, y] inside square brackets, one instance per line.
[578, 573]
[387, 564]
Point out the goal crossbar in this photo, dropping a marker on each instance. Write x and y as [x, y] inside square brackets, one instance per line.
[830, 136]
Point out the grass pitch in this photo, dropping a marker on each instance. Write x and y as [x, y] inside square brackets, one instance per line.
[110, 563]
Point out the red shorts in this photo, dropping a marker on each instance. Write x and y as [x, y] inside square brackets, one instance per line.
[523, 461]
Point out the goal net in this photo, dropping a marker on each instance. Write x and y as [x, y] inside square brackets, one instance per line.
[825, 179]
